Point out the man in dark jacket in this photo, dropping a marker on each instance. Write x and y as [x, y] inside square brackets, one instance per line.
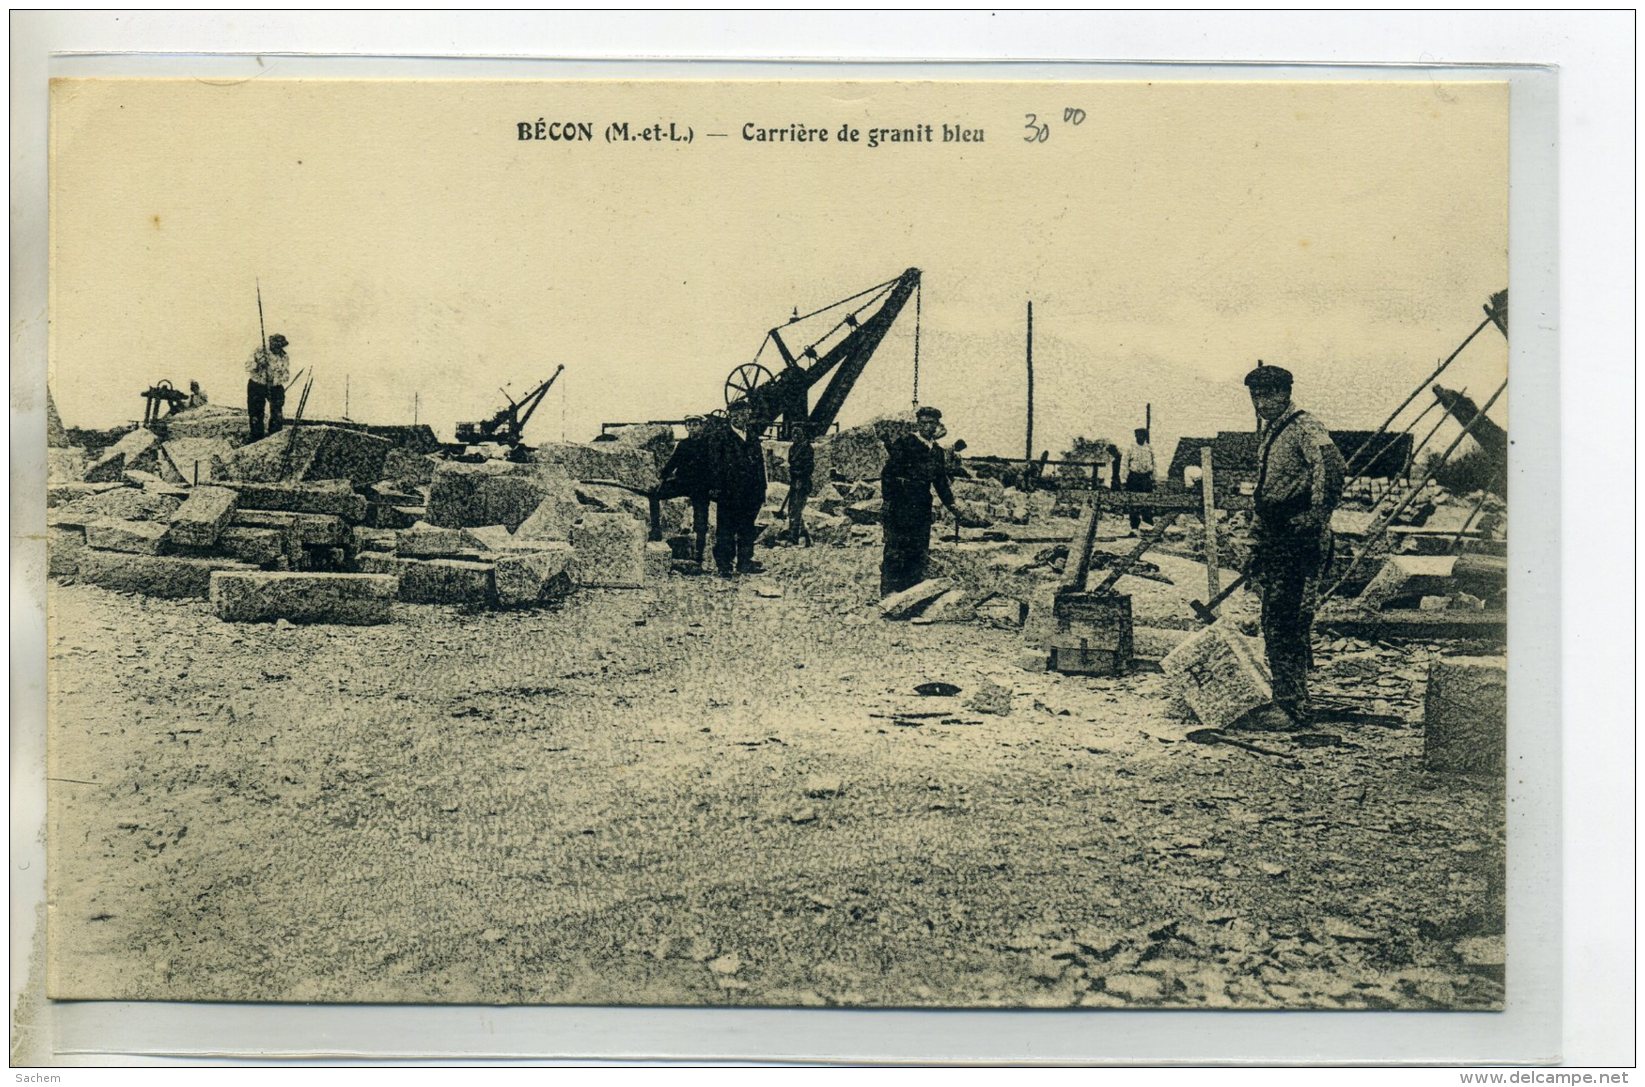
[686, 475]
[916, 467]
[1299, 483]
[738, 490]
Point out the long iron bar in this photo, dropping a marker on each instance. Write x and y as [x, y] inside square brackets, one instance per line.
[1403, 404]
[1418, 448]
[1456, 541]
[1388, 521]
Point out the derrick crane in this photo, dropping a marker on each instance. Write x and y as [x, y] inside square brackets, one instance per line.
[508, 425]
[839, 355]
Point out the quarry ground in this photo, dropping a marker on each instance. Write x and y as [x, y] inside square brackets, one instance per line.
[696, 794]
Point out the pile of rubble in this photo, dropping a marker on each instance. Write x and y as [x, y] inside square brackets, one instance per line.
[327, 524]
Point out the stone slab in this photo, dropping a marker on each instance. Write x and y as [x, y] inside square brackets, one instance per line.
[200, 520]
[952, 606]
[362, 538]
[333, 496]
[136, 537]
[610, 551]
[437, 581]
[911, 601]
[1409, 575]
[173, 576]
[1219, 673]
[313, 529]
[487, 538]
[259, 546]
[403, 467]
[64, 494]
[526, 579]
[493, 492]
[604, 498]
[64, 546]
[352, 599]
[125, 503]
[211, 421]
[1465, 716]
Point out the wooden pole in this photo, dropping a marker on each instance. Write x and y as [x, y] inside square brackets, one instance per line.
[1208, 510]
[1148, 420]
[1028, 449]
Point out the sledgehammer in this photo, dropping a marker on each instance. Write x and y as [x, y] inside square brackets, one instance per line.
[1207, 613]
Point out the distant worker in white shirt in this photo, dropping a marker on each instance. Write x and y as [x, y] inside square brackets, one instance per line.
[267, 372]
[1139, 474]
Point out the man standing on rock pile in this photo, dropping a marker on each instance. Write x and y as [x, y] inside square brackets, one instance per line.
[916, 466]
[738, 491]
[802, 466]
[267, 372]
[1299, 483]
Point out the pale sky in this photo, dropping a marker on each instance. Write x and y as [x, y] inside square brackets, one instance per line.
[408, 241]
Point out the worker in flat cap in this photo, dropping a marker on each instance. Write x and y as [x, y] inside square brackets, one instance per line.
[915, 467]
[267, 372]
[1299, 483]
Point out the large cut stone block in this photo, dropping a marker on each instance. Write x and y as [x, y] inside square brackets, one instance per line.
[306, 453]
[210, 421]
[332, 496]
[137, 537]
[63, 549]
[313, 529]
[437, 581]
[354, 599]
[152, 575]
[536, 577]
[65, 463]
[610, 551]
[615, 461]
[1465, 717]
[139, 450]
[659, 558]
[1219, 674]
[486, 538]
[858, 453]
[372, 539]
[124, 503]
[603, 498]
[65, 494]
[655, 439]
[405, 468]
[554, 515]
[259, 546]
[425, 541]
[192, 460]
[910, 601]
[199, 521]
[487, 493]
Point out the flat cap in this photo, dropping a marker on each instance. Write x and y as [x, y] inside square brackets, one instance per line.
[928, 413]
[1268, 378]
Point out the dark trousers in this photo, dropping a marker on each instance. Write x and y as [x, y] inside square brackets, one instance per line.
[1141, 482]
[734, 535]
[797, 496]
[907, 548]
[258, 395]
[1290, 570]
[699, 524]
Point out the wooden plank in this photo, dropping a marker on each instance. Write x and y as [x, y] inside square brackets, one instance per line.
[1411, 623]
[1168, 502]
[1078, 566]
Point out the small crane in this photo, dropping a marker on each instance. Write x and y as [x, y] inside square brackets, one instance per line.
[508, 425]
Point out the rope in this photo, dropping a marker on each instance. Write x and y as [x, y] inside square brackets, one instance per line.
[843, 301]
[1416, 449]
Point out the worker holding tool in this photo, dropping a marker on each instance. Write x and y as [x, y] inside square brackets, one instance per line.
[915, 467]
[802, 463]
[686, 475]
[1299, 483]
[267, 372]
[738, 489]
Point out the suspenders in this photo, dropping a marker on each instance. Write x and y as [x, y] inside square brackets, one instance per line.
[1268, 444]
